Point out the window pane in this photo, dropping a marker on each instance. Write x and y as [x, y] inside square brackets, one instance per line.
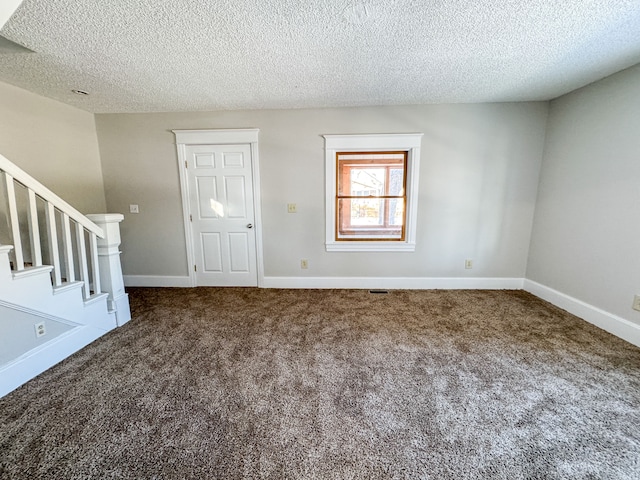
[363, 178]
[365, 218]
[365, 212]
[395, 211]
[366, 182]
[396, 181]
[371, 174]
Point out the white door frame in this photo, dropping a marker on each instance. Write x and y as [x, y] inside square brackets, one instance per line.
[244, 136]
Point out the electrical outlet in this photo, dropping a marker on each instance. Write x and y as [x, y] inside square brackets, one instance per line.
[304, 264]
[636, 302]
[41, 330]
[134, 209]
[292, 208]
[468, 264]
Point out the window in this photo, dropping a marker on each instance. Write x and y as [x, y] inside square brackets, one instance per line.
[370, 199]
[371, 192]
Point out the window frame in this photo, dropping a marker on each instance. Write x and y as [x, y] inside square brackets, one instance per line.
[372, 143]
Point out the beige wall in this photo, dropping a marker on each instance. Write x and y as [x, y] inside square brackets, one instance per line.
[587, 223]
[54, 143]
[478, 182]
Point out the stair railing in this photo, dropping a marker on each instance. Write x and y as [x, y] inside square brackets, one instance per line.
[60, 218]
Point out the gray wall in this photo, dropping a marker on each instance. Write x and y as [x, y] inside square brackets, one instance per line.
[18, 333]
[587, 224]
[54, 143]
[478, 181]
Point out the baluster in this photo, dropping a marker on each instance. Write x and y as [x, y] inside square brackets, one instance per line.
[68, 248]
[13, 218]
[82, 258]
[93, 246]
[34, 230]
[52, 235]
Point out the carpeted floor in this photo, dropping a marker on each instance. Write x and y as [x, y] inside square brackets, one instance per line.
[333, 384]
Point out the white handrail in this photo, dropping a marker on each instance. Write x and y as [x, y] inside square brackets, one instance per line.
[43, 192]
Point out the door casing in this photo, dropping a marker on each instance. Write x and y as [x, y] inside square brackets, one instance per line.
[247, 136]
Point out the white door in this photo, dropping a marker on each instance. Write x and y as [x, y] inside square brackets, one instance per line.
[222, 214]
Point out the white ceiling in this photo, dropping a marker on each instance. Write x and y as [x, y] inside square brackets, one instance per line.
[188, 55]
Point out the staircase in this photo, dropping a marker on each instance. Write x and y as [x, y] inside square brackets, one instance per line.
[61, 282]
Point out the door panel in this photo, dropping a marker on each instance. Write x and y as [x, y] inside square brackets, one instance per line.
[212, 252]
[222, 214]
[236, 196]
[204, 160]
[238, 248]
[206, 190]
[233, 159]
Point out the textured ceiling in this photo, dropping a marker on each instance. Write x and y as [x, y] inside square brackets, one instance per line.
[187, 55]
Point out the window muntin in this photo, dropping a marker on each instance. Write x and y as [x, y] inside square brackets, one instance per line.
[371, 196]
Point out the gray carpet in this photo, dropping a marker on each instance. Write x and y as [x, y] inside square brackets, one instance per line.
[333, 384]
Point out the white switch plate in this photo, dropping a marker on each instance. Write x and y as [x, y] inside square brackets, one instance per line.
[134, 209]
[292, 208]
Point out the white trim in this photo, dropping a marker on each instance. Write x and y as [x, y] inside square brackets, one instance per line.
[156, 281]
[373, 141]
[607, 321]
[95, 298]
[217, 136]
[105, 217]
[32, 271]
[409, 142]
[66, 286]
[35, 361]
[241, 136]
[257, 210]
[396, 283]
[377, 246]
[188, 235]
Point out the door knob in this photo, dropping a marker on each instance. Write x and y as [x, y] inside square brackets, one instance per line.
[249, 225]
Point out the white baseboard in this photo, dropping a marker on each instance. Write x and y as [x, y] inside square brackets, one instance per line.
[609, 322]
[156, 281]
[408, 283]
[43, 357]
[123, 311]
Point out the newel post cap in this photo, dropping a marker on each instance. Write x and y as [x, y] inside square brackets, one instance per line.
[102, 218]
[109, 222]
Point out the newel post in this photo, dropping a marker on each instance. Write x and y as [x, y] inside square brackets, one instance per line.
[111, 280]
